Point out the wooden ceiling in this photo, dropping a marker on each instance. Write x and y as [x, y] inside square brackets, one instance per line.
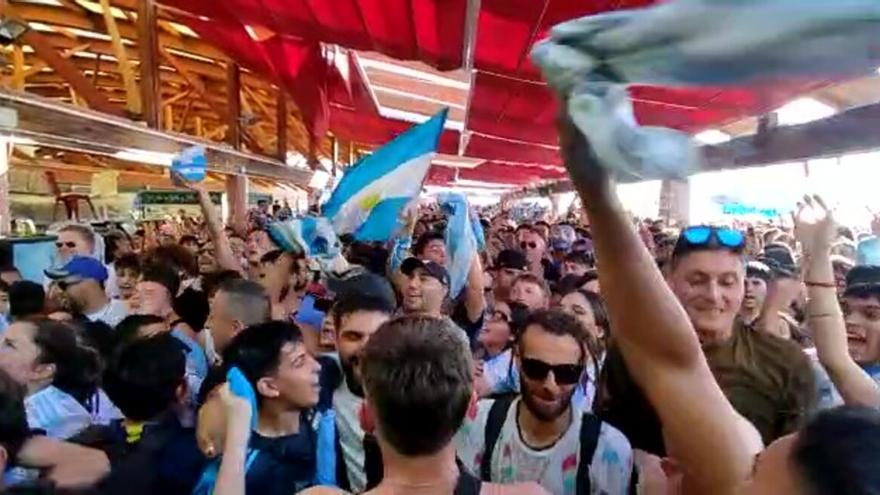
[88, 53]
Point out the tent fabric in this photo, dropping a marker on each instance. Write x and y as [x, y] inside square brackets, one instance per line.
[511, 112]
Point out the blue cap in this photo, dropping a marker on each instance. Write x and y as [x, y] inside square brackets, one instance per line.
[80, 267]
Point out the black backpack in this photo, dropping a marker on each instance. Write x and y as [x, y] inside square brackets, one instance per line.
[589, 439]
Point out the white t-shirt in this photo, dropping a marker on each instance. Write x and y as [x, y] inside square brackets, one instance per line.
[351, 435]
[554, 468]
[111, 314]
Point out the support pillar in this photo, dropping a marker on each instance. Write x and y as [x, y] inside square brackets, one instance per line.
[675, 202]
[148, 48]
[281, 122]
[233, 88]
[236, 199]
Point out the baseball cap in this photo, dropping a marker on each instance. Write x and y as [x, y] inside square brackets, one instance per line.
[559, 244]
[511, 258]
[863, 279]
[780, 259]
[411, 264]
[81, 268]
[360, 282]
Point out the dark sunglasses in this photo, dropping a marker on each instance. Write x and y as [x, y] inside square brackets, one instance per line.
[525, 245]
[705, 234]
[564, 374]
[64, 284]
[70, 245]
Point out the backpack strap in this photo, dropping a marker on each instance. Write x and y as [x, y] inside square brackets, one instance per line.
[494, 423]
[467, 484]
[591, 426]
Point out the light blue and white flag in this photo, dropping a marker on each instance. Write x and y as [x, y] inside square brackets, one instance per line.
[310, 236]
[371, 196]
[461, 239]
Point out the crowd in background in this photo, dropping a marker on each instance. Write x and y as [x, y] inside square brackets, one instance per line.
[591, 354]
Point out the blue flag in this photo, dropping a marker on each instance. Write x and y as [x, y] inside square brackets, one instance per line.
[371, 196]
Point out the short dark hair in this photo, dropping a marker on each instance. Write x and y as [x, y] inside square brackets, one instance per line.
[417, 373]
[531, 278]
[248, 300]
[77, 366]
[127, 329]
[9, 269]
[353, 303]
[556, 322]
[26, 299]
[111, 242]
[424, 239]
[256, 350]
[4, 287]
[580, 257]
[838, 451]
[188, 238]
[14, 428]
[174, 256]
[128, 261]
[164, 276]
[144, 376]
[212, 281]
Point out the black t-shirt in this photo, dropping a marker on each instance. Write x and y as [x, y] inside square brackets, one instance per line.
[283, 465]
[164, 460]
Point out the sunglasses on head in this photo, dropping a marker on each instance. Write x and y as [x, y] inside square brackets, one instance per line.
[68, 244]
[705, 234]
[525, 245]
[564, 374]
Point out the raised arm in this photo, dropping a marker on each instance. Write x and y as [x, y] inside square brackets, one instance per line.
[816, 229]
[70, 466]
[656, 338]
[231, 476]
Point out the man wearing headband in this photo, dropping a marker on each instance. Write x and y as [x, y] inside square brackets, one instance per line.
[768, 380]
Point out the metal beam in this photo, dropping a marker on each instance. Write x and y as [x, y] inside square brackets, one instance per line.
[148, 47]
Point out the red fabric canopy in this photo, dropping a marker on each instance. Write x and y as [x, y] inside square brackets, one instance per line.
[511, 112]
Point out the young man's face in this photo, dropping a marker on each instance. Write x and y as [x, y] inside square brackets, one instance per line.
[533, 245]
[529, 295]
[224, 325]
[258, 244]
[4, 303]
[862, 316]
[353, 334]
[19, 353]
[546, 397]
[295, 382]
[574, 268]
[435, 250]
[755, 294]
[424, 293]
[710, 287]
[504, 278]
[154, 299]
[126, 280]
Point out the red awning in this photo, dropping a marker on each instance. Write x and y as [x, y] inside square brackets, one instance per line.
[511, 113]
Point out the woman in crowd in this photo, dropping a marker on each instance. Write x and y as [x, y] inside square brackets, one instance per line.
[59, 373]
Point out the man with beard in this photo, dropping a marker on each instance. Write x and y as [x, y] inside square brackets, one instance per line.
[538, 436]
[758, 275]
[82, 280]
[356, 318]
[427, 287]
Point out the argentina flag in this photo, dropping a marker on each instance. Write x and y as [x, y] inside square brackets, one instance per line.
[370, 197]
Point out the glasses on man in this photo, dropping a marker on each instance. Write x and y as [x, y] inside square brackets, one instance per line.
[69, 245]
[564, 374]
[66, 284]
[528, 245]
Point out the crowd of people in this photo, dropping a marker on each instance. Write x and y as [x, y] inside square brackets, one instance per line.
[591, 354]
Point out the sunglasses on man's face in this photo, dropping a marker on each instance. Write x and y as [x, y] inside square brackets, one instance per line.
[564, 374]
[69, 245]
[66, 284]
[528, 245]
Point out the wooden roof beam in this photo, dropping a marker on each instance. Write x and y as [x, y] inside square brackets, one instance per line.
[131, 88]
[69, 72]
